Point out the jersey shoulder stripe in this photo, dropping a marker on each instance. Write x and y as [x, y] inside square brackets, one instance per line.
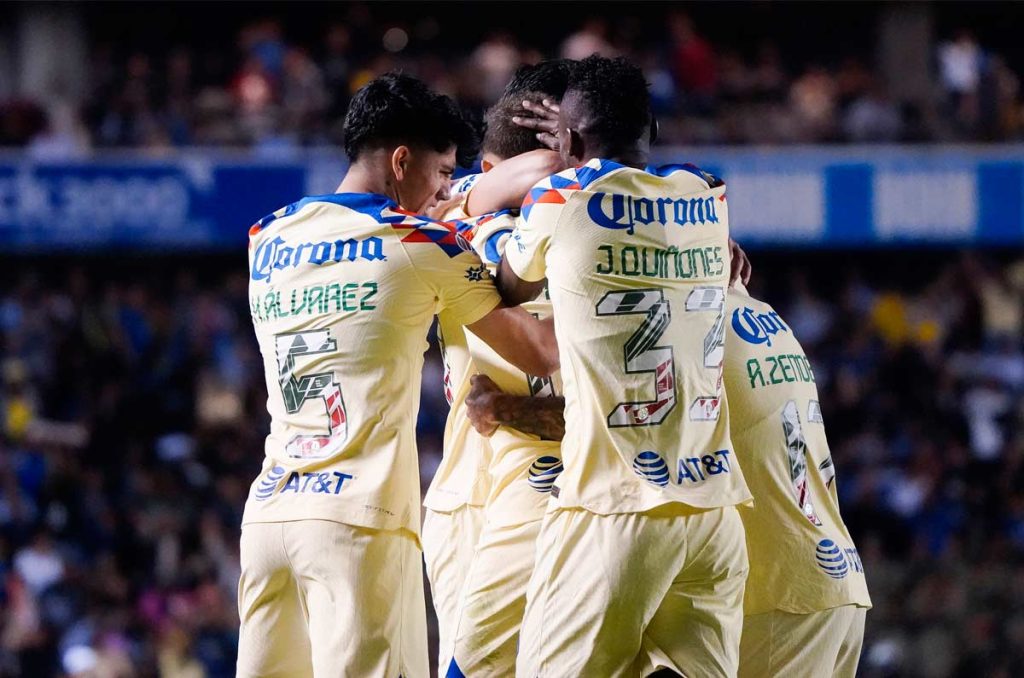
[452, 237]
[554, 190]
[665, 170]
[370, 204]
[594, 170]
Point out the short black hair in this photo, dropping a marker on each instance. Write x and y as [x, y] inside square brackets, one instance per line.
[616, 95]
[549, 77]
[398, 108]
[503, 137]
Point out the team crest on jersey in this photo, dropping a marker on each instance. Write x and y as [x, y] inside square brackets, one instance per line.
[477, 273]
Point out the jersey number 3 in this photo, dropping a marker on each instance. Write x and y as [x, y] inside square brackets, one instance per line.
[321, 386]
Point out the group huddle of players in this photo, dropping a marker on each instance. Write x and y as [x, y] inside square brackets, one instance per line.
[636, 479]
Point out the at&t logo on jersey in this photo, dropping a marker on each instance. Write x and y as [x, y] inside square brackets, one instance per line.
[268, 485]
[757, 328]
[275, 255]
[324, 482]
[835, 561]
[653, 468]
[543, 473]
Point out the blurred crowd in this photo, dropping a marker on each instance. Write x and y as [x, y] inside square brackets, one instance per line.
[133, 412]
[276, 95]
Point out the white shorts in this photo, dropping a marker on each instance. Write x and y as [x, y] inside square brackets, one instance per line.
[448, 542]
[825, 643]
[494, 601]
[629, 594]
[321, 598]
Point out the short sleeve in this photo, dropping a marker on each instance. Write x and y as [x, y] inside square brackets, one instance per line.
[461, 189]
[461, 282]
[490, 233]
[528, 245]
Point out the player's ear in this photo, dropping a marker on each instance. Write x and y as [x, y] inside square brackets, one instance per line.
[576, 146]
[400, 159]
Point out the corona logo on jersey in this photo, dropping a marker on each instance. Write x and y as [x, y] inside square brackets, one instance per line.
[757, 328]
[627, 211]
[543, 473]
[275, 255]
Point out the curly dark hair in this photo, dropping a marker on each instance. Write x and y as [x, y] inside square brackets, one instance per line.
[549, 77]
[398, 108]
[615, 94]
[503, 137]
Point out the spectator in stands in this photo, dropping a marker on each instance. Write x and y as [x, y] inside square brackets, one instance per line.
[694, 65]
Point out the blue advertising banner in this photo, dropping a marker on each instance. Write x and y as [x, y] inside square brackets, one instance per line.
[816, 196]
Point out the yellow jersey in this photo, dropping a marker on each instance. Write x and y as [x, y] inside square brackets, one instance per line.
[637, 264]
[461, 477]
[802, 559]
[342, 291]
[520, 468]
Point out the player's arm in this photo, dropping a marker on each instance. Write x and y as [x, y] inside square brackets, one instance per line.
[520, 338]
[513, 289]
[506, 184]
[739, 265]
[522, 274]
[489, 407]
[465, 293]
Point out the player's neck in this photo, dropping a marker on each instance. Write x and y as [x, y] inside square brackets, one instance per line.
[366, 178]
[630, 157]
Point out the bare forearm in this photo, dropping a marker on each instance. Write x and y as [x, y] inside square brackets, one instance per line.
[505, 186]
[514, 290]
[543, 417]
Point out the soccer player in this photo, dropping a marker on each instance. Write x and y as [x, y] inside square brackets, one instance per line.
[806, 598]
[343, 289]
[524, 458]
[513, 160]
[642, 552]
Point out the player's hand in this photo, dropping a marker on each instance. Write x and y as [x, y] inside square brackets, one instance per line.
[740, 264]
[481, 404]
[440, 211]
[543, 118]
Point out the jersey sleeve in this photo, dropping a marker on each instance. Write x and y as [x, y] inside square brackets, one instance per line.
[490, 233]
[461, 282]
[527, 247]
[460, 189]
